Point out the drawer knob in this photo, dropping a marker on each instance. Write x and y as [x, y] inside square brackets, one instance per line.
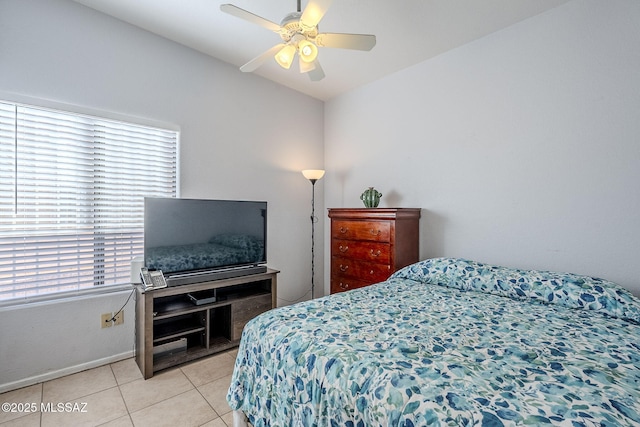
[343, 230]
[371, 272]
[376, 253]
[343, 286]
[375, 232]
[344, 268]
[343, 249]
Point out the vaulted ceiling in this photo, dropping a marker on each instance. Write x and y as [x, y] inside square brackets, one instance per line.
[407, 32]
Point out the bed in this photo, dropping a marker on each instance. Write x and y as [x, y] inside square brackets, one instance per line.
[446, 342]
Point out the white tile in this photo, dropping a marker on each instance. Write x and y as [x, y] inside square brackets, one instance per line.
[28, 420]
[228, 419]
[92, 410]
[116, 395]
[216, 394]
[218, 422]
[185, 410]
[126, 371]
[210, 369]
[141, 393]
[27, 395]
[124, 421]
[78, 385]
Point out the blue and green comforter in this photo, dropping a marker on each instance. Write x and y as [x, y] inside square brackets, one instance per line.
[447, 342]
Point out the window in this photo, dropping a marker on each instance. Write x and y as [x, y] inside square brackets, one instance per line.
[72, 191]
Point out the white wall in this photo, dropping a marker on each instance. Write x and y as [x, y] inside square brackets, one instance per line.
[522, 148]
[240, 139]
[43, 341]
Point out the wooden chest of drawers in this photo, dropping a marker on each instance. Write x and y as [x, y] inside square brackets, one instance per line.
[367, 245]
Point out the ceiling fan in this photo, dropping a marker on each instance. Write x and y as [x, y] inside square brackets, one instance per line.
[299, 33]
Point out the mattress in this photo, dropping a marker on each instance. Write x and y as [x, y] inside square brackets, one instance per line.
[447, 342]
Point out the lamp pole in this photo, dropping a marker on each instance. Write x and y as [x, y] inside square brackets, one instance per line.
[313, 228]
[313, 175]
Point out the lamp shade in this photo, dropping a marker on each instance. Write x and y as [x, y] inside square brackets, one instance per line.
[305, 67]
[285, 56]
[307, 50]
[313, 174]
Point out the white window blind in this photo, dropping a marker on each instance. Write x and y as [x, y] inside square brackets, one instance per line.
[72, 191]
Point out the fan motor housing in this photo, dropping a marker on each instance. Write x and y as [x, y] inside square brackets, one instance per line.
[291, 26]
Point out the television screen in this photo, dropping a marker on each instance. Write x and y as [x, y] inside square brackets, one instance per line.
[190, 235]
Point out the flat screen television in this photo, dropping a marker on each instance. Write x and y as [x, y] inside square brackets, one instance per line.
[193, 240]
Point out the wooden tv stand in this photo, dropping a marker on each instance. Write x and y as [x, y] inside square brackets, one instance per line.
[172, 329]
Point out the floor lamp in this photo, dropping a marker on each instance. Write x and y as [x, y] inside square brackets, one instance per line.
[313, 175]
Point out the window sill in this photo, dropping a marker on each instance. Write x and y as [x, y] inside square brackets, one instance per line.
[63, 296]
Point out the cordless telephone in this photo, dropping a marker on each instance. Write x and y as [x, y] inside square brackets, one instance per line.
[152, 279]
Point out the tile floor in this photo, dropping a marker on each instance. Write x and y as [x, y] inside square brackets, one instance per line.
[116, 395]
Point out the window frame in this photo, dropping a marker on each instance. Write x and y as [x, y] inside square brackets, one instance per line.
[104, 116]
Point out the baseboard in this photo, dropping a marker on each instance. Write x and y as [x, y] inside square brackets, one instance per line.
[36, 379]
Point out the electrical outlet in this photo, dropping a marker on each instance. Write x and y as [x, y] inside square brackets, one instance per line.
[105, 318]
[119, 319]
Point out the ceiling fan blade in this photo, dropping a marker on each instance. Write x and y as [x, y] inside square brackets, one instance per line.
[248, 16]
[314, 12]
[317, 73]
[346, 41]
[260, 59]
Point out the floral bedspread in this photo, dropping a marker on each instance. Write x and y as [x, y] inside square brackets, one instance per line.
[447, 342]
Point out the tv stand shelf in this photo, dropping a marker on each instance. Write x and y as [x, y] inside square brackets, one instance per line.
[172, 329]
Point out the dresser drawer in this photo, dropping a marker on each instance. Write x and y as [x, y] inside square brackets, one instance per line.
[377, 231]
[346, 284]
[365, 251]
[362, 270]
[369, 244]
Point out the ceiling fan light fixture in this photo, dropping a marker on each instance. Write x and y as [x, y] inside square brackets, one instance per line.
[284, 57]
[305, 67]
[307, 50]
[299, 33]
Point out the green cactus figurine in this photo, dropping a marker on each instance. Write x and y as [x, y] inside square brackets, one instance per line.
[371, 197]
